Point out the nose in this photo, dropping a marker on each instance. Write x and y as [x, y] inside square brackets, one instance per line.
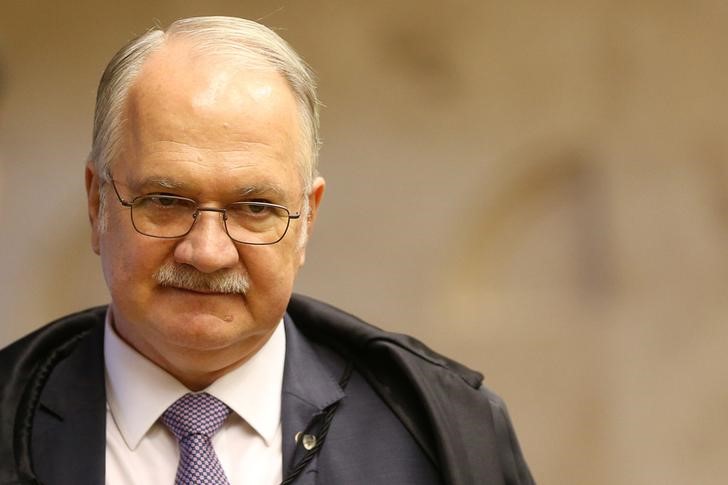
[207, 247]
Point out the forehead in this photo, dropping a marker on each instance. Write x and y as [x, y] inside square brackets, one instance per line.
[188, 113]
[180, 76]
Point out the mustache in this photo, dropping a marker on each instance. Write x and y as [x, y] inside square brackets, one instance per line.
[188, 278]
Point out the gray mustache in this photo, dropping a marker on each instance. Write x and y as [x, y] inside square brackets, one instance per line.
[188, 278]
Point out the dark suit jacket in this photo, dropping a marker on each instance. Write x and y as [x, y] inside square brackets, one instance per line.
[406, 416]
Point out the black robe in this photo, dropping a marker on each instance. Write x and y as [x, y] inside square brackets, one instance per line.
[462, 426]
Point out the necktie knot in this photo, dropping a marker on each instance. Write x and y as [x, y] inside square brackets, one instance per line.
[195, 414]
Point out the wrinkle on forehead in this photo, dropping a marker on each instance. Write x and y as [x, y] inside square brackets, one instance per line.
[233, 149]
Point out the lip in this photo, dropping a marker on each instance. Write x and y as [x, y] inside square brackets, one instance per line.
[197, 292]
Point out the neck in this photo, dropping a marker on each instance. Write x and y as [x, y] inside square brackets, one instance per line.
[198, 369]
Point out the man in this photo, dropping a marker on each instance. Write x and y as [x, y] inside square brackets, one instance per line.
[202, 191]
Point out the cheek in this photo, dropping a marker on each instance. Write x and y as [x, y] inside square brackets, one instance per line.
[129, 261]
[271, 269]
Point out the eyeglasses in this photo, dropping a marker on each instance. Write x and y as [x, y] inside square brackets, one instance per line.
[171, 216]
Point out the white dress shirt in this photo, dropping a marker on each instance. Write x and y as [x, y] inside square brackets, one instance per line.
[140, 449]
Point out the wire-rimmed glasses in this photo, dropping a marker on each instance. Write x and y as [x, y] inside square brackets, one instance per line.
[171, 216]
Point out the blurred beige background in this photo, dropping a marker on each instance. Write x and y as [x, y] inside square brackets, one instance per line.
[539, 189]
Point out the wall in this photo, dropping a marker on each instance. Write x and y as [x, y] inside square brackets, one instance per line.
[535, 188]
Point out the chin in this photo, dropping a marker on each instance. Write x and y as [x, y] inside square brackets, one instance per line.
[205, 330]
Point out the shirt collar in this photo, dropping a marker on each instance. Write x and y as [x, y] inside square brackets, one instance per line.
[138, 391]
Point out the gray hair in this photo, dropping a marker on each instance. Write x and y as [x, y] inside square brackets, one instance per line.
[248, 41]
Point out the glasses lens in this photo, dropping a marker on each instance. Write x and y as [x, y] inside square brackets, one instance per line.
[163, 215]
[256, 222]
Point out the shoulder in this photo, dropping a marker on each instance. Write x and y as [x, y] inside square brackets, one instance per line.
[26, 363]
[25, 366]
[338, 329]
[48, 338]
[32, 356]
[456, 419]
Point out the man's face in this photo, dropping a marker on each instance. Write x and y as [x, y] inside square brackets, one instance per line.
[217, 133]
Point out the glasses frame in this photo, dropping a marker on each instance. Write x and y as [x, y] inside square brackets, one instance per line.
[131, 203]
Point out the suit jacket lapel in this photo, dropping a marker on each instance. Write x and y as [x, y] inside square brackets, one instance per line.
[308, 388]
[69, 429]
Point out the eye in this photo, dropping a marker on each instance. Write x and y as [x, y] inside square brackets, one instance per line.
[257, 208]
[163, 202]
[249, 209]
[254, 210]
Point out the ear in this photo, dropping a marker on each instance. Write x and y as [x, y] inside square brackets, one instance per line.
[314, 201]
[92, 199]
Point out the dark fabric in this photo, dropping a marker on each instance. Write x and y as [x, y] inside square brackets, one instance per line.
[52, 402]
[460, 423]
[69, 430]
[366, 443]
[26, 367]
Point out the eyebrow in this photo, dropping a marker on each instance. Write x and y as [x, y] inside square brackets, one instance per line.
[252, 190]
[161, 182]
[258, 190]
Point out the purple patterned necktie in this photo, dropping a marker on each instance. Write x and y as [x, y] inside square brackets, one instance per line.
[193, 419]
